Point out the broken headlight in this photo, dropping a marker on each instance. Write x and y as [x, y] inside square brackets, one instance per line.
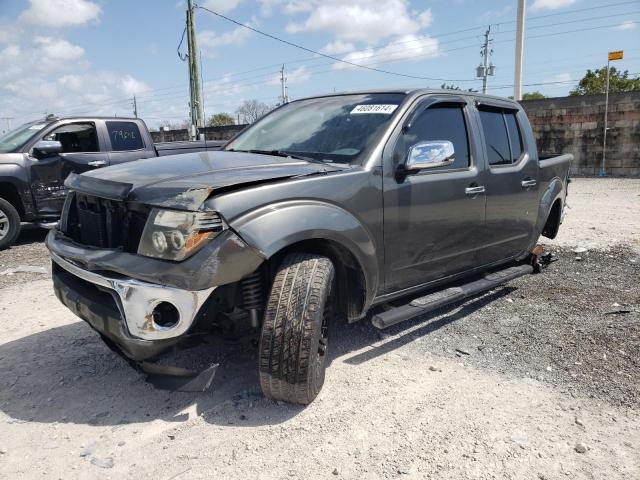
[175, 235]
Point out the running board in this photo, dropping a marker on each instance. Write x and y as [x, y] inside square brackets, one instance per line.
[439, 299]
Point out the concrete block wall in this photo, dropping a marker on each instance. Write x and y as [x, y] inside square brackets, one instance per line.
[212, 133]
[576, 125]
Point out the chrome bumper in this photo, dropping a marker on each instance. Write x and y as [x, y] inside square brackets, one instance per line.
[139, 299]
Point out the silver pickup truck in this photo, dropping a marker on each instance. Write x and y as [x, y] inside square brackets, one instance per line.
[322, 211]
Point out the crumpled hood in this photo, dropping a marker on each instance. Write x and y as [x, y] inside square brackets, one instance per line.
[185, 181]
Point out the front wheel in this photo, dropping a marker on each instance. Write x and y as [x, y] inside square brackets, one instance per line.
[295, 331]
[9, 224]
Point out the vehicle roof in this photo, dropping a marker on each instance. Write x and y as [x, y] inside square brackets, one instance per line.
[97, 117]
[418, 91]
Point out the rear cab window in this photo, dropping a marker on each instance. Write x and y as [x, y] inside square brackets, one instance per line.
[502, 136]
[124, 136]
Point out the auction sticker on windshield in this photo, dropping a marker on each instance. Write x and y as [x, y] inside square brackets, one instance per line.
[385, 109]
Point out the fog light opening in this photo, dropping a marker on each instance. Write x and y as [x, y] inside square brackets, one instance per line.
[165, 315]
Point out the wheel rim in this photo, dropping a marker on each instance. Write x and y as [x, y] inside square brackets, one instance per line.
[4, 225]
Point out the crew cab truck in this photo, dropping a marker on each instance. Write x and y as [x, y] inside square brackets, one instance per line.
[36, 158]
[321, 210]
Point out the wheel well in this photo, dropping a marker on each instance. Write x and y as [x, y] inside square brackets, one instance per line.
[550, 229]
[9, 192]
[350, 278]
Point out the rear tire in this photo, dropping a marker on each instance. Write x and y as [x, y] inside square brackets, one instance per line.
[9, 224]
[294, 341]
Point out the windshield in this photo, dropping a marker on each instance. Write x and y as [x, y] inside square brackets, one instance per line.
[16, 139]
[332, 129]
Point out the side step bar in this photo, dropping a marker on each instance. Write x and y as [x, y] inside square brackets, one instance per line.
[439, 299]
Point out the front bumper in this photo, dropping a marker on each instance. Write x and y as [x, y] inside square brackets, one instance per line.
[138, 300]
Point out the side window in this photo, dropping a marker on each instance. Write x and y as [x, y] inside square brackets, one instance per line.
[124, 136]
[441, 122]
[496, 137]
[515, 139]
[76, 138]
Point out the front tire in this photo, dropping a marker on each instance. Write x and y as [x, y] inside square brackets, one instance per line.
[294, 341]
[9, 224]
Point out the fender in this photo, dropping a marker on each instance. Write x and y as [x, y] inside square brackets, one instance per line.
[273, 227]
[554, 190]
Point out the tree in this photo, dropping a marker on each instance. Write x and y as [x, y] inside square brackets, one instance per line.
[595, 82]
[220, 119]
[251, 110]
[452, 86]
[533, 96]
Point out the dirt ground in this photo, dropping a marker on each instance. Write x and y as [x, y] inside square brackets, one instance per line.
[534, 380]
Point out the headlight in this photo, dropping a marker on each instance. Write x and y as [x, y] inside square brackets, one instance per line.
[174, 235]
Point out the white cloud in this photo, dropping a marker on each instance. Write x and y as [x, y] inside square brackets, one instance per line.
[426, 18]
[363, 20]
[221, 6]
[58, 49]
[299, 6]
[560, 77]
[60, 13]
[132, 86]
[550, 4]
[627, 25]
[48, 73]
[338, 47]
[297, 76]
[495, 14]
[208, 40]
[403, 48]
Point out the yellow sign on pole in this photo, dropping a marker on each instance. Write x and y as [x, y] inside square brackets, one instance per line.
[616, 55]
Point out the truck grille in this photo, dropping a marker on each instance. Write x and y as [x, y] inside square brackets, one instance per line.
[102, 223]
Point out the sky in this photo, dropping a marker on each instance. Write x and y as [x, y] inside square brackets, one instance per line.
[90, 57]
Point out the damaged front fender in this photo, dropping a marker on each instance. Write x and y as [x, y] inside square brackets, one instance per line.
[225, 259]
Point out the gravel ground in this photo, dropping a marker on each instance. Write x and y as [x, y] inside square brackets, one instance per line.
[537, 379]
[30, 251]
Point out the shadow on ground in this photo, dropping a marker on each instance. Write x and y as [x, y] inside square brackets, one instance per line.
[31, 234]
[66, 374]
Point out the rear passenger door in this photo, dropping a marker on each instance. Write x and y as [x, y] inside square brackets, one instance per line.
[511, 183]
[433, 218]
[126, 142]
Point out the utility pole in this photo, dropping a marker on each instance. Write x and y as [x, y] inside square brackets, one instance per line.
[195, 103]
[486, 69]
[283, 86]
[517, 81]
[611, 56]
[7, 120]
[135, 107]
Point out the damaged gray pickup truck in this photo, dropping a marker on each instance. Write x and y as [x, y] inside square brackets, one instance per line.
[319, 212]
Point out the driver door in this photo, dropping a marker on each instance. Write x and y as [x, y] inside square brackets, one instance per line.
[433, 217]
[80, 152]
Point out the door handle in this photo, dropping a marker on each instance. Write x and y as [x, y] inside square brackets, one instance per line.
[471, 191]
[528, 183]
[98, 163]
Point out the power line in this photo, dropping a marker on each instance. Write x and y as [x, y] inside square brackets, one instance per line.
[437, 36]
[233, 75]
[331, 57]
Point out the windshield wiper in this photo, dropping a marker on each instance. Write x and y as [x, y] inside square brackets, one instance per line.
[280, 153]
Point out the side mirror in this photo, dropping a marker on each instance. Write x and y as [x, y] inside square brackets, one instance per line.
[431, 154]
[45, 148]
